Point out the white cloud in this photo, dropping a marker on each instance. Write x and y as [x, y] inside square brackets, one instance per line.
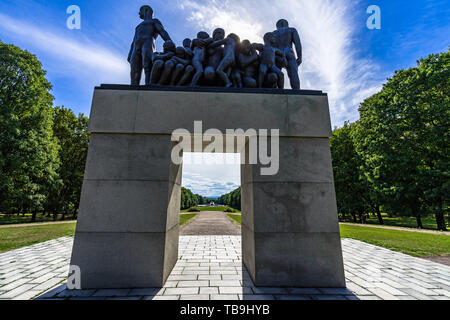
[327, 30]
[211, 179]
[81, 59]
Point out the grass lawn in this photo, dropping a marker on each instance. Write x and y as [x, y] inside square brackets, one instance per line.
[412, 243]
[407, 222]
[18, 237]
[15, 219]
[235, 217]
[220, 209]
[14, 238]
[185, 218]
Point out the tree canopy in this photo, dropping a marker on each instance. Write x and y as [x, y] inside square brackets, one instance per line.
[29, 160]
[402, 143]
[189, 199]
[73, 137]
[232, 199]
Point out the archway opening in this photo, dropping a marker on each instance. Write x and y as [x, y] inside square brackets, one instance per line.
[211, 194]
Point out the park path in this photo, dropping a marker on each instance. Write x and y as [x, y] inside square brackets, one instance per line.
[396, 228]
[35, 224]
[211, 223]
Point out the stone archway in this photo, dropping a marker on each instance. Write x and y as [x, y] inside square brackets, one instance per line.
[127, 232]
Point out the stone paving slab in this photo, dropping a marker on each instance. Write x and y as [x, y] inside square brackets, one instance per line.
[28, 272]
[210, 268]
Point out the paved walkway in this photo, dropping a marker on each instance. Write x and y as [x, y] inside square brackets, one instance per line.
[211, 223]
[30, 271]
[210, 267]
[447, 233]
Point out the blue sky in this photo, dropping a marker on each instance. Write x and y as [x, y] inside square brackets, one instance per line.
[341, 55]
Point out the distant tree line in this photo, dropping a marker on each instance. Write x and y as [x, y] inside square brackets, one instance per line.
[42, 148]
[396, 158]
[232, 199]
[189, 199]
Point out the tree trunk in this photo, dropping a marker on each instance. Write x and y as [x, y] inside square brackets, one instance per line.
[354, 218]
[380, 217]
[55, 216]
[362, 216]
[419, 221]
[63, 216]
[440, 219]
[33, 216]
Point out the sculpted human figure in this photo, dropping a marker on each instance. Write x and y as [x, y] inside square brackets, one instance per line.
[248, 63]
[143, 46]
[287, 37]
[183, 70]
[163, 64]
[187, 47]
[229, 57]
[214, 57]
[268, 55]
[199, 46]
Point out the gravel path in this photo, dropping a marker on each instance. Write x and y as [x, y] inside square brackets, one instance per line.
[211, 223]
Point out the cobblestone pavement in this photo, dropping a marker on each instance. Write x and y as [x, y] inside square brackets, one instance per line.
[210, 267]
[30, 271]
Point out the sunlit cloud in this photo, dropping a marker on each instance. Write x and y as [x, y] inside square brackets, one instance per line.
[81, 58]
[327, 29]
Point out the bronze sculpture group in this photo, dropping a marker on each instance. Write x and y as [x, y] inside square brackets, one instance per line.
[217, 61]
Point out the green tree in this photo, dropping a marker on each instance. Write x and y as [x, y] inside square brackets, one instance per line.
[72, 134]
[201, 199]
[354, 193]
[403, 139]
[28, 150]
[188, 199]
[232, 199]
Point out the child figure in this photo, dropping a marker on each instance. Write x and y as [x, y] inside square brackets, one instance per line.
[229, 57]
[183, 64]
[248, 62]
[187, 47]
[214, 57]
[163, 65]
[199, 46]
[268, 54]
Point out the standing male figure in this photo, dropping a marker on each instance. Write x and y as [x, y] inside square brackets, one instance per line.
[143, 45]
[286, 37]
